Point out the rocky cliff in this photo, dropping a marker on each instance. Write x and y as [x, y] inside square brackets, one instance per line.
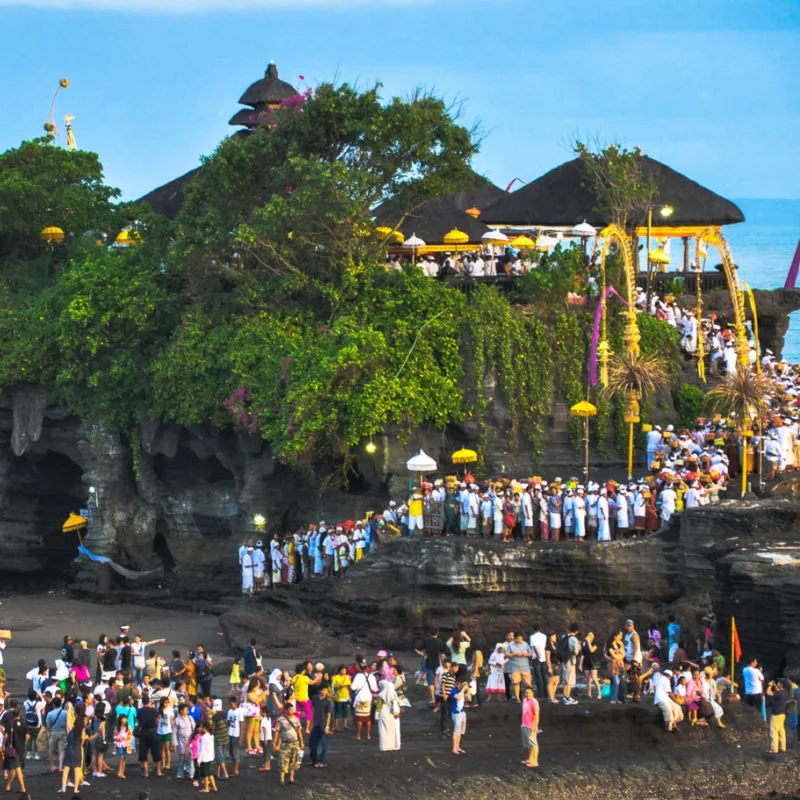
[742, 557]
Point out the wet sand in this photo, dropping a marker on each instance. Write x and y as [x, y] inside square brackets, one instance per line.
[588, 751]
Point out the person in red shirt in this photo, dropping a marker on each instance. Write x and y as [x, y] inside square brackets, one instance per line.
[530, 727]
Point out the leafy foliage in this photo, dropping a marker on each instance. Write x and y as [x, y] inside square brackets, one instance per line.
[43, 185]
[267, 306]
[742, 395]
[556, 273]
[617, 178]
[689, 402]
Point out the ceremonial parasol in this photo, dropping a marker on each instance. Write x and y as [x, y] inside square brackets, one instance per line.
[421, 463]
[523, 243]
[456, 237]
[75, 523]
[464, 456]
[414, 242]
[584, 230]
[544, 243]
[494, 237]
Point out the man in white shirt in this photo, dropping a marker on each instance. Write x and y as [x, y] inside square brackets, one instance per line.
[538, 641]
[259, 563]
[668, 502]
[753, 683]
[663, 697]
[654, 439]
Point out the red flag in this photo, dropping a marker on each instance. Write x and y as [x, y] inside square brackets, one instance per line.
[737, 647]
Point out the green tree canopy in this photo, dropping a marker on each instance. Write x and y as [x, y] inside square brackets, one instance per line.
[41, 185]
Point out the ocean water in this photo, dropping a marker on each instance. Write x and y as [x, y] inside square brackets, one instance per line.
[762, 247]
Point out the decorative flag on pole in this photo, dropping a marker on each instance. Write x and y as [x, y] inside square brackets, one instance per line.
[737, 647]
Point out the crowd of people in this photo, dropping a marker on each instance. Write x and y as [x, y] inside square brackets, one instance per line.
[527, 511]
[97, 709]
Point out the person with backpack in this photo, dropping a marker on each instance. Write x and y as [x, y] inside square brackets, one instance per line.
[32, 709]
[203, 673]
[567, 650]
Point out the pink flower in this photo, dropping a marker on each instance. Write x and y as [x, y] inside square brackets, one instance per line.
[302, 77]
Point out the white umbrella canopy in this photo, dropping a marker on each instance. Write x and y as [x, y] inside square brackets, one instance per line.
[421, 462]
[546, 242]
[584, 229]
[413, 241]
[494, 236]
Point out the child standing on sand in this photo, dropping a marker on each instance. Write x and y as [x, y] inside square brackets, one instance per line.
[205, 759]
[122, 741]
[235, 680]
[266, 738]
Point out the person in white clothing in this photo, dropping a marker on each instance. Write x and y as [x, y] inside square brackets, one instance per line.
[663, 696]
[259, 564]
[669, 499]
[247, 572]
[579, 508]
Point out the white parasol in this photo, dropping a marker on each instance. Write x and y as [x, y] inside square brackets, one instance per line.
[421, 462]
[413, 242]
[584, 229]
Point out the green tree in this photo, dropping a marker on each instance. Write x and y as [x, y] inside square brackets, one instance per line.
[292, 201]
[618, 179]
[42, 185]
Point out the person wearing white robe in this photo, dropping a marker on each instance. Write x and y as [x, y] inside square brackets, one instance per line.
[623, 521]
[388, 717]
[277, 561]
[247, 572]
[579, 510]
[730, 359]
[603, 526]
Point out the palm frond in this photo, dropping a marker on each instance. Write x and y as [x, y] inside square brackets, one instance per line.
[646, 374]
[742, 394]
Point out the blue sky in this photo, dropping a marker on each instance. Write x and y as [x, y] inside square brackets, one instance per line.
[708, 87]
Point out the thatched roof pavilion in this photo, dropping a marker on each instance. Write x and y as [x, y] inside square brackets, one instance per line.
[436, 217]
[564, 197]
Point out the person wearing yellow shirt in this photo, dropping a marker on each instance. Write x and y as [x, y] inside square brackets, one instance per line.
[415, 513]
[300, 683]
[341, 697]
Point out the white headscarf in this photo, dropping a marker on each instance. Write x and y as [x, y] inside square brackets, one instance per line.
[275, 677]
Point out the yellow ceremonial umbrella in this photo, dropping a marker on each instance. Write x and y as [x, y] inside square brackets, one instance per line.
[464, 456]
[75, 522]
[473, 212]
[456, 236]
[584, 409]
[52, 235]
[127, 238]
[658, 256]
[523, 242]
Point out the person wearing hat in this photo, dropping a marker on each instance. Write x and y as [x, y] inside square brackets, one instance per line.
[622, 511]
[259, 565]
[669, 501]
[569, 513]
[579, 511]
[248, 571]
[603, 517]
[663, 696]
[654, 441]
[592, 500]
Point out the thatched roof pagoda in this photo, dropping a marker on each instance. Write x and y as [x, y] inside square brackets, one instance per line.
[564, 197]
[267, 93]
[264, 94]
